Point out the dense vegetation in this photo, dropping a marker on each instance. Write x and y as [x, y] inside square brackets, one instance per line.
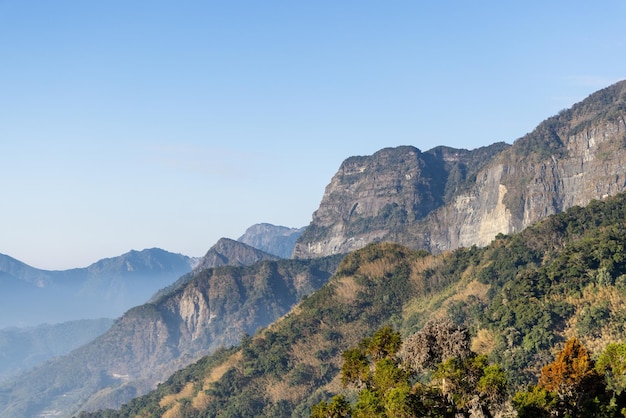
[437, 375]
[520, 298]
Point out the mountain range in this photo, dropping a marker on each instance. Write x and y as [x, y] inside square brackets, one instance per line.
[105, 289]
[22, 348]
[427, 203]
[211, 308]
[521, 297]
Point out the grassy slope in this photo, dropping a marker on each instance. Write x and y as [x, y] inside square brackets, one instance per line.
[521, 297]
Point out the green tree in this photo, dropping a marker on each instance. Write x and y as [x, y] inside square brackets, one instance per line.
[569, 386]
[369, 405]
[536, 402]
[612, 363]
[471, 383]
[355, 369]
[463, 382]
[337, 408]
[385, 343]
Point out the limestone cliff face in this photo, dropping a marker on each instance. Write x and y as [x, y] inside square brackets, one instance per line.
[445, 198]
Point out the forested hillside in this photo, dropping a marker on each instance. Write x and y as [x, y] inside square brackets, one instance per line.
[519, 298]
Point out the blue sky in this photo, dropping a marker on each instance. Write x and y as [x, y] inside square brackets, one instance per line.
[136, 124]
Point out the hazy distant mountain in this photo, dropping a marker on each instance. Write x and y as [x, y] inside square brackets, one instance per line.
[227, 252]
[105, 289]
[277, 240]
[24, 348]
[439, 199]
[213, 309]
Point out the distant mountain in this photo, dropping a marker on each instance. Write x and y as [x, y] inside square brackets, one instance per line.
[227, 252]
[107, 288]
[447, 198]
[24, 348]
[436, 200]
[213, 309]
[276, 240]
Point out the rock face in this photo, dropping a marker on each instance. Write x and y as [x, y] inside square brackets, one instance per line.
[277, 240]
[377, 198]
[445, 198]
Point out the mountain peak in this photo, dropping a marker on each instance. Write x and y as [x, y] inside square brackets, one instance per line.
[273, 239]
[228, 252]
[445, 198]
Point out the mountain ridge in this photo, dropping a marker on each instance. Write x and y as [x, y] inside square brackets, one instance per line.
[436, 200]
[212, 308]
[428, 200]
[521, 296]
[105, 288]
[273, 239]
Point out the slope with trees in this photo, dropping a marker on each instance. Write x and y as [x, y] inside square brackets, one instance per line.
[520, 298]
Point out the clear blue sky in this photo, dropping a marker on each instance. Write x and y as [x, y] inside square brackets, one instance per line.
[144, 123]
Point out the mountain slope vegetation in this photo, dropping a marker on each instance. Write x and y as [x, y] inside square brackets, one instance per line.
[214, 308]
[520, 297]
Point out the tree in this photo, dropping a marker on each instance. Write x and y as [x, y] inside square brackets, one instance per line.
[462, 383]
[355, 369]
[536, 402]
[337, 408]
[385, 343]
[612, 363]
[471, 384]
[437, 342]
[571, 371]
[569, 386]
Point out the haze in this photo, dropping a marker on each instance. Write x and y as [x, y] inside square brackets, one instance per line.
[130, 125]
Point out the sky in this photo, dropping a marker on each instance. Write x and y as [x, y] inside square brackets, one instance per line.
[147, 123]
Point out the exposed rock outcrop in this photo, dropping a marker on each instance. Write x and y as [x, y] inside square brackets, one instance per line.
[445, 198]
[277, 240]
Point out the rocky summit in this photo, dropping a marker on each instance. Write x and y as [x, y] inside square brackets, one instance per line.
[446, 198]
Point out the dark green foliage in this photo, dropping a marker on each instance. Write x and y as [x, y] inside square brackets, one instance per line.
[338, 407]
[390, 389]
[536, 279]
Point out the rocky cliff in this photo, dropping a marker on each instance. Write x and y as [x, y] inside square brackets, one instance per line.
[445, 198]
[277, 240]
